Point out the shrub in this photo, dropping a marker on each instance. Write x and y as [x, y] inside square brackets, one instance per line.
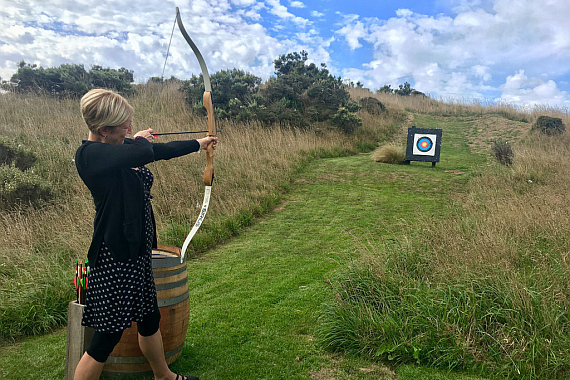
[70, 80]
[352, 106]
[372, 105]
[346, 121]
[390, 154]
[12, 154]
[503, 152]
[22, 188]
[549, 125]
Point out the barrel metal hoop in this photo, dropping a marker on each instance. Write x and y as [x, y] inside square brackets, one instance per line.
[173, 300]
[165, 262]
[140, 359]
[166, 274]
[172, 285]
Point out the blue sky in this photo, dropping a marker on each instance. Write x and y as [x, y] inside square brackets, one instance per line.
[515, 51]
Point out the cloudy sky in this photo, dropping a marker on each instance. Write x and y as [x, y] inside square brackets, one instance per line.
[506, 50]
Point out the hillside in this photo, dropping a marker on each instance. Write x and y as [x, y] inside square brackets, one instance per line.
[460, 266]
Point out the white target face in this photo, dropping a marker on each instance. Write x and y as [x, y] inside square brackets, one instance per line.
[424, 145]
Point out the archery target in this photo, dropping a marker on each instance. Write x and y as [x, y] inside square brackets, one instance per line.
[424, 145]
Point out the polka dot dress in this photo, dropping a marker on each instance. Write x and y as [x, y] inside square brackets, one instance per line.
[122, 292]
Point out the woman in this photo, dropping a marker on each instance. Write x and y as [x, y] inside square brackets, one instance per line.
[121, 285]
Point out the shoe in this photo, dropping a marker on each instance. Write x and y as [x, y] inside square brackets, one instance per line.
[179, 377]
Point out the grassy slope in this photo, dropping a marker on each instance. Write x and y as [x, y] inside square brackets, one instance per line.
[256, 299]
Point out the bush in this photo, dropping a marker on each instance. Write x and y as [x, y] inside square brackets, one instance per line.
[390, 154]
[346, 121]
[372, 105]
[22, 188]
[549, 125]
[12, 154]
[503, 152]
[352, 106]
[70, 80]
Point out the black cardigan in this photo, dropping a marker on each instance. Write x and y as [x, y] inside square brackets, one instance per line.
[118, 191]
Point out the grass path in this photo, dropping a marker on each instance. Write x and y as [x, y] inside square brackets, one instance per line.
[255, 300]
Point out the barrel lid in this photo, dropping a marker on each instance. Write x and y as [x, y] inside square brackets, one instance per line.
[165, 256]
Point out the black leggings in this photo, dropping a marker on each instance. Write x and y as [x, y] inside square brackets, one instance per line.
[102, 344]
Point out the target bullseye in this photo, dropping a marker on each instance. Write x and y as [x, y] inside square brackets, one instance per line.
[424, 144]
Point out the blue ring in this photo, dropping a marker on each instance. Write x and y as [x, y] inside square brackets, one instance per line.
[420, 140]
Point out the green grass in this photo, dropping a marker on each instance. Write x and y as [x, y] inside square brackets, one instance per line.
[500, 316]
[256, 301]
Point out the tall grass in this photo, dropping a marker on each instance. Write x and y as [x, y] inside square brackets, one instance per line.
[464, 107]
[485, 289]
[38, 248]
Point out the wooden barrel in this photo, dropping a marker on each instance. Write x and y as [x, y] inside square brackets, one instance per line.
[171, 280]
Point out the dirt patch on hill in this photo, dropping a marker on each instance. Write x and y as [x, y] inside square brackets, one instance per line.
[488, 128]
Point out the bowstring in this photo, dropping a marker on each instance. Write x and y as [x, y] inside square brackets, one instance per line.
[155, 166]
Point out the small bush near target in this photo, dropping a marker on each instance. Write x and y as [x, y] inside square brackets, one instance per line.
[390, 154]
[503, 152]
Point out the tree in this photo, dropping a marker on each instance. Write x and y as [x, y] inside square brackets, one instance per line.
[28, 77]
[404, 89]
[298, 94]
[70, 80]
[293, 78]
[302, 92]
[233, 92]
[386, 89]
[74, 80]
[119, 80]
[372, 105]
[324, 97]
[172, 79]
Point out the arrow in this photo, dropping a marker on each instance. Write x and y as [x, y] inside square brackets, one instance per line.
[179, 133]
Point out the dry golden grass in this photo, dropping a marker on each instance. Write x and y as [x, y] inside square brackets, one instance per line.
[251, 163]
[53, 130]
[514, 218]
[390, 153]
[462, 107]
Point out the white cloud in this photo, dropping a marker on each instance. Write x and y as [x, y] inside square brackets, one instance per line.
[347, 18]
[482, 72]
[244, 3]
[282, 12]
[522, 90]
[461, 6]
[468, 54]
[404, 12]
[353, 34]
[478, 49]
[136, 36]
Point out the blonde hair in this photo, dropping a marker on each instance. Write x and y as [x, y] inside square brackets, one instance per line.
[104, 108]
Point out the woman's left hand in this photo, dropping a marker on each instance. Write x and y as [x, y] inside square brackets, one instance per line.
[204, 142]
[147, 134]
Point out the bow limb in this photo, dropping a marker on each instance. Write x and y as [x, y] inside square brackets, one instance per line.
[209, 105]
